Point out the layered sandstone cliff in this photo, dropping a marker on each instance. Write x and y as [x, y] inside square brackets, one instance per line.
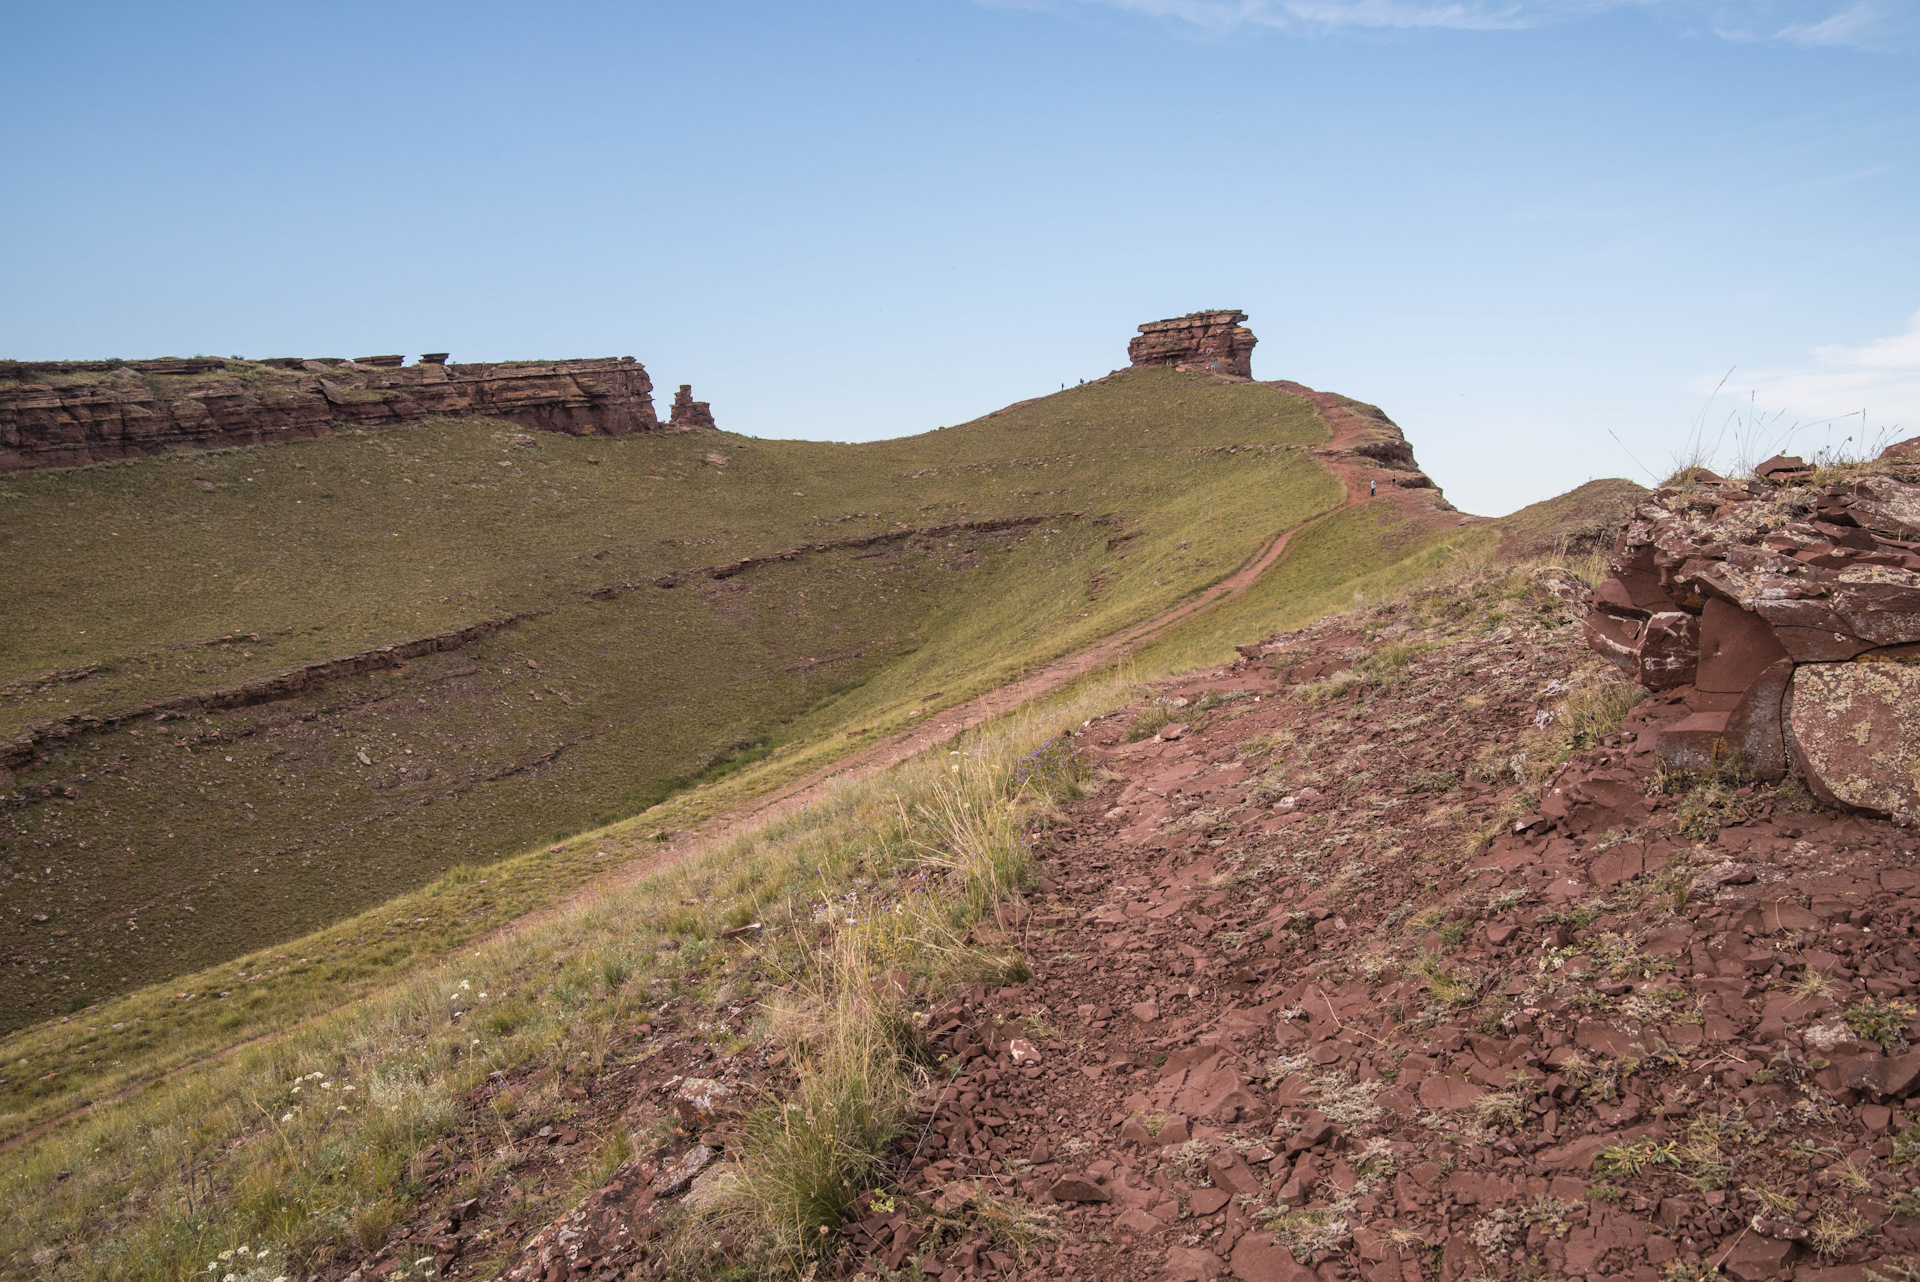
[1213, 341]
[63, 414]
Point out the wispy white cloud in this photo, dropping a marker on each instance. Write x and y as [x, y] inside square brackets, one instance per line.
[1863, 24]
[1880, 377]
[1857, 26]
[1459, 15]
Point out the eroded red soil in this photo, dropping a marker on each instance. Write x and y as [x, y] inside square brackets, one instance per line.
[1289, 1017]
[1343, 974]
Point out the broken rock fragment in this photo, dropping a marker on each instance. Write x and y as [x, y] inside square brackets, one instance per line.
[1078, 1188]
[700, 1101]
[678, 1174]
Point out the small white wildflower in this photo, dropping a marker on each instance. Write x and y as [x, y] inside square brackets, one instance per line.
[226, 1255]
[287, 1118]
[346, 1088]
[483, 997]
[339, 1108]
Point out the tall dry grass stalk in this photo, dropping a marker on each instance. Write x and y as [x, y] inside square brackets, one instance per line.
[809, 1155]
[855, 1043]
[1746, 435]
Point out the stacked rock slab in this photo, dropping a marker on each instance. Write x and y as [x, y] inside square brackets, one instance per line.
[64, 414]
[1212, 341]
[687, 412]
[1786, 614]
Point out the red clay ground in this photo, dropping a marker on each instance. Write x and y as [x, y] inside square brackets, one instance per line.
[1303, 1029]
[1290, 1018]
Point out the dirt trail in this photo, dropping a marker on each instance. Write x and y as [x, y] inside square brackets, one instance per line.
[1356, 472]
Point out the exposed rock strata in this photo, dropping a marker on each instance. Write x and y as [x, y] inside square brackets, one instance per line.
[1213, 341]
[1786, 614]
[284, 685]
[56, 414]
[312, 676]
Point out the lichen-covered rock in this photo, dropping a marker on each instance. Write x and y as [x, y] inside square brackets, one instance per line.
[1721, 590]
[701, 1101]
[679, 1174]
[1856, 734]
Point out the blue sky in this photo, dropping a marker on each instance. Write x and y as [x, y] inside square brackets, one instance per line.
[1523, 227]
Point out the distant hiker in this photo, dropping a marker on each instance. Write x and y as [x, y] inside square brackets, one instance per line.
[1373, 489]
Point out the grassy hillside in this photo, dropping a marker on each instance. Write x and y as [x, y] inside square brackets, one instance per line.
[383, 883]
[1353, 556]
[323, 1141]
[1581, 522]
[156, 848]
[1372, 551]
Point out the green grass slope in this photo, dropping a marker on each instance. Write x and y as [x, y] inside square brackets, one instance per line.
[1371, 551]
[1359, 554]
[1578, 523]
[156, 848]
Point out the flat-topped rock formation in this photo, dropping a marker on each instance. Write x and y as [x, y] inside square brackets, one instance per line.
[1213, 341]
[64, 414]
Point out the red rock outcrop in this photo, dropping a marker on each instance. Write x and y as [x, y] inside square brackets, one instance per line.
[1212, 341]
[1787, 615]
[63, 414]
[687, 412]
[1363, 433]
